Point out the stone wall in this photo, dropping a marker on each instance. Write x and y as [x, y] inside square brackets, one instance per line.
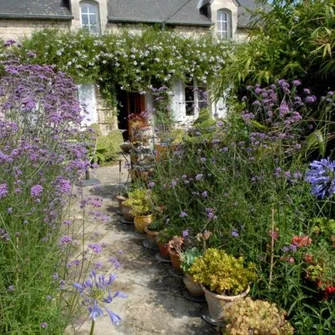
[17, 29]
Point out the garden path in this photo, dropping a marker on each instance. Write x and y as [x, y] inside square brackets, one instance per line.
[155, 303]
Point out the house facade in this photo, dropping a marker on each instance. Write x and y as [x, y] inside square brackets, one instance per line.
[225, 19]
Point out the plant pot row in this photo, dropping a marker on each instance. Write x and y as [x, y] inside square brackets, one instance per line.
[216, 302]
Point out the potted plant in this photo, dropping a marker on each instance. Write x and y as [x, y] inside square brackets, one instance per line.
[187, 258]
[247, 316]
[141, 207]
[126, 211]
[223, 278]
[162, 240]
[175, 248]
[122, 196]
[152, 231]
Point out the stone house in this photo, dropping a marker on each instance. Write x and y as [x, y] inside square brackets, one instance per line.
[226, 19]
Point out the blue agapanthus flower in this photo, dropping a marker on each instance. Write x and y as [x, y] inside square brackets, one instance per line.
[321, 175]
[96, 293]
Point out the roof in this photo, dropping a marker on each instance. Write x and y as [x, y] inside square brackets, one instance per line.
[171, 12]
[243, 15]
[35, 9]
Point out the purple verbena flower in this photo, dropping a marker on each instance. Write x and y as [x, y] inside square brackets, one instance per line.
[97, 249]
[235, 233]
[185, 233]
[151, 184]
[3, 190]
[44, 325]
[65, 240]
[296, 82]
[115, 262]
[36, 191]
[204, 194]
[183, 214]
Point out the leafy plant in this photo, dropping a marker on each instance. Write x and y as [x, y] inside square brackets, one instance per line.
[222, 273]
[140, 202]
[188, 257]
[165, 235]
[247, 316]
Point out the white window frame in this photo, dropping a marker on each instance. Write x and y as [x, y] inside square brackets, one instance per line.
[179, 102]
[93, 29]
[224, 24]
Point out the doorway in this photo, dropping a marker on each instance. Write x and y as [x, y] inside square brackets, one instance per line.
[128, 103]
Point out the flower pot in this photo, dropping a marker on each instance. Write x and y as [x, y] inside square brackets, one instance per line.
[193, 288]
[125, 210]
[163, 250]
[151, 236]
[120, 200]
[217, 302]
[142, 221]
[175, 261]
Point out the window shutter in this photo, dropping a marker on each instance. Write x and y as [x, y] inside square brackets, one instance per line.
[87, 100]
[220, 108]
[178, 101]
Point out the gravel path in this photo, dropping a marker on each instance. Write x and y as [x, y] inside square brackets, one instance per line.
[155, 303]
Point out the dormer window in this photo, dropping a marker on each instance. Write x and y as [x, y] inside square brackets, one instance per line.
[89, 16]
[224, 24]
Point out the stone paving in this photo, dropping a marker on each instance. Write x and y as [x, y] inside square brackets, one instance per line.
[155, 303]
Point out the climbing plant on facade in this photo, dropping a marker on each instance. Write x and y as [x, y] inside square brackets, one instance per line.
[131, 61]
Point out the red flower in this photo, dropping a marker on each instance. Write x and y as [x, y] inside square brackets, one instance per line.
[329, 290]
[308, 259]
[301, 241]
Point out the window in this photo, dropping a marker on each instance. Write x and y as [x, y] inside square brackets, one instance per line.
[223, 22]
[89, 15]
[195, 99]
[187, 100]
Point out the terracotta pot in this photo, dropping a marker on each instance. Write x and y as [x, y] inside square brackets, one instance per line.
[175, 261]
[151, 235]
[125, 210]
[120, 200]
[142, 221]
[217, 302]
[163, 250]
[192, 287]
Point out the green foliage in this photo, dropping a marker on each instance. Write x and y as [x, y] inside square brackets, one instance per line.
[105, 148]
[291, 39]
[222, 273]
[188, 257]
[131, 61]
[249, 316]
[246, 186]
[166, 234]
[140, 202]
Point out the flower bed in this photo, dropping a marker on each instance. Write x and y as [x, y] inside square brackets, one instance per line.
[249, 181]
